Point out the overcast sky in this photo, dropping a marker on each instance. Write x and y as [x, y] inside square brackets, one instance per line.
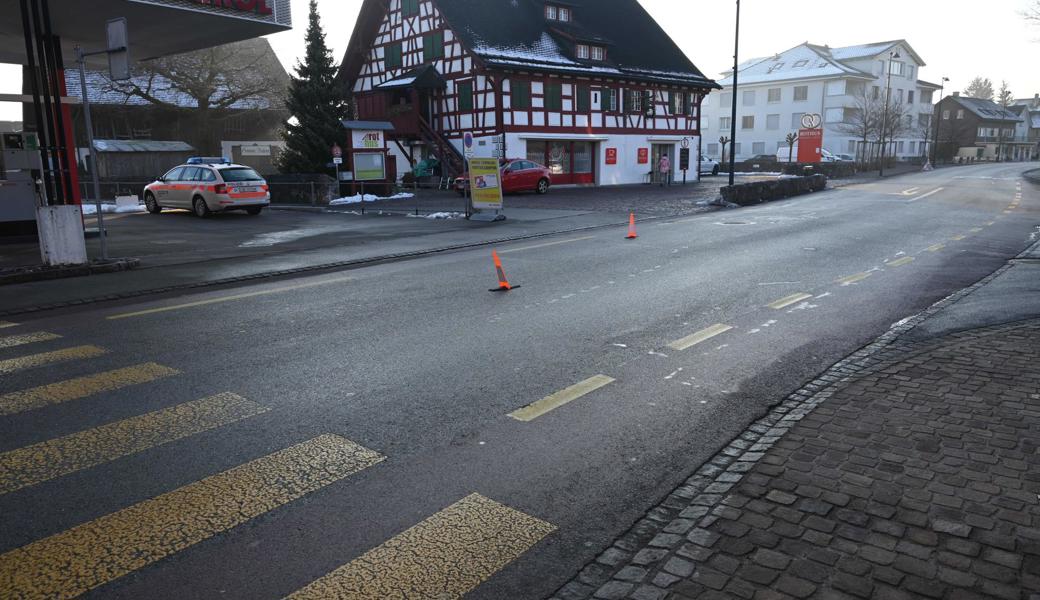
[958, 39]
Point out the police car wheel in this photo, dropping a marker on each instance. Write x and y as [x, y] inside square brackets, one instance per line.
[150, 203]
[200, 208]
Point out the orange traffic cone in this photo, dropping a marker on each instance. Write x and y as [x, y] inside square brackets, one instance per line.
[631, 227]
[503, 283]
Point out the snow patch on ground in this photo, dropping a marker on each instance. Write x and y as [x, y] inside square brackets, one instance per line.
[358, 198]
[438, 216]
[91, 209]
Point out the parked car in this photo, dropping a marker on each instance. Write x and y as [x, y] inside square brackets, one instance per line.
[208, 185]
[763, 158]
[518, 175]
[845, 158]
[709, 166]
[785, 155]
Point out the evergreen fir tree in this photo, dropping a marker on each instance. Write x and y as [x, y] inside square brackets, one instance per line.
[317, 104]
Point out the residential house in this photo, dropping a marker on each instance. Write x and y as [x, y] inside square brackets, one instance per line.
[973, 128]
[595, 90]
[836, 83]
[1031, 119]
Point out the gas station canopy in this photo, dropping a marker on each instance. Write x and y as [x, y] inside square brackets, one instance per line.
[157, 27]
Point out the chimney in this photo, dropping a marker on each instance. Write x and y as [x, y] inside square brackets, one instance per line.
[956, 94]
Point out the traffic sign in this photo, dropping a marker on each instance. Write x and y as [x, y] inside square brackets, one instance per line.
[686, 142]
[337, 160]
[337, 152]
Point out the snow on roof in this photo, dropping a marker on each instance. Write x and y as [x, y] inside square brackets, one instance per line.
[800, 62]
[861, 51]
[141, 146]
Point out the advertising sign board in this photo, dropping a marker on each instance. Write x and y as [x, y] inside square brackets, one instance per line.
[644, 156]
[611, 156]
[485, 183]
[810, 142]
[684, 159]
[369, 166]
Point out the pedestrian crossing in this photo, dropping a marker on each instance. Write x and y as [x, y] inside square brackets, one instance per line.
[443, 556]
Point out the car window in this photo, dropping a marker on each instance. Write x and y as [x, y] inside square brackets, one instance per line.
[208, 175]
[240, 174]
[188, 174]
[173, 174]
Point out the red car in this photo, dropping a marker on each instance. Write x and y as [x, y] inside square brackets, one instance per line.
[518, 175]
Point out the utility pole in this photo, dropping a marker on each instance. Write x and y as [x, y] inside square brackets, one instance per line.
[884, 119]
[936, 117]
[733, 117]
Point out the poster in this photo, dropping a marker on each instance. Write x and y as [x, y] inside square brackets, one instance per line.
[611, 156]
[485, 181]
[369, 166]
[809, 143]
[644, 156]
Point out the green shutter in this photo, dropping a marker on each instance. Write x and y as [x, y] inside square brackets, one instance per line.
[466, 96]
[520, 94]
[584, 98]
[433, 46]
[393, 56]
[410, 8]
[553, 96]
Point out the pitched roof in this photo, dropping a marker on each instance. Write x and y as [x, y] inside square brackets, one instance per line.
[514, 34]
[811, 61]
[804, 61]
[986, 109]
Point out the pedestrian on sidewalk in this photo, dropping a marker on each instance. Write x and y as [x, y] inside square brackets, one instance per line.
[664, 167]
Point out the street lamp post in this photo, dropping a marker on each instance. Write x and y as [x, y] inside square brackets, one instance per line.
[938, 122]
[884, 119]
[733, 116]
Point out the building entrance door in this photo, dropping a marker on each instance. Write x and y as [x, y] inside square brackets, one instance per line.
[659, 150]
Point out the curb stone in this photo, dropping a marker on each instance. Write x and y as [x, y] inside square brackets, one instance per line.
[703, 492]
[50, 274]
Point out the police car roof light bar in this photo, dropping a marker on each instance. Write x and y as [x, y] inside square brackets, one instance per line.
[208, 160]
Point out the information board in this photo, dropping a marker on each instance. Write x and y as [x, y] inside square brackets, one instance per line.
[485, 183]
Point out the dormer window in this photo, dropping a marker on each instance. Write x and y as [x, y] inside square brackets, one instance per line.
[583, 51]
[558, 13]
[586, 52]
[598, 53]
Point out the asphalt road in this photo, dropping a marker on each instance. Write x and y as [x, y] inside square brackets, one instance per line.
[393, 386]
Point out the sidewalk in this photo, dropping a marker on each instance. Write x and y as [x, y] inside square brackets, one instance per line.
[909, 470]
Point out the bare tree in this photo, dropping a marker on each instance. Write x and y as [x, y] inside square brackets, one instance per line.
[791, 140]
[206, 85]
[862, 119]
[1032, 13]
[980, 87]
[1005, 99]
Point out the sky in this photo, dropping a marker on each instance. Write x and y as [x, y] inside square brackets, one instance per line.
[959, 39]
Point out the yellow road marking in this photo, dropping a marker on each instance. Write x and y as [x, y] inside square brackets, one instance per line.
[991, 223]
[788, 301]
[553, 401]
[958, 238]
[936, 247]
[902, 261]
[77, 560]
[47, 460]
[701, 336]
[29, 338]
[6, 324]
[547, 244]
[444, 557]
[81, 387]
[853, 278]
[280, 290]
[38, 360]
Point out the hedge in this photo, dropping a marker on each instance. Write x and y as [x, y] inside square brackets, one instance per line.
[746, 194]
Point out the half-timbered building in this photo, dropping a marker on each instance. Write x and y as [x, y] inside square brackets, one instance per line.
[594, 89]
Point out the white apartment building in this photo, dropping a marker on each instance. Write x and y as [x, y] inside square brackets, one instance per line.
[774, 93]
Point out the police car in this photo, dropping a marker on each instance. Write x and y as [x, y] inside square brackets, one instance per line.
[207, 185]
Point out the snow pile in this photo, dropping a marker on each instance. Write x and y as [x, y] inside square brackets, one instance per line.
[91, 209]
[358, 199]
[439, 215]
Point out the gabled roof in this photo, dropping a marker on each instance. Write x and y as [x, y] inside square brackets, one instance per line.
[804, 61]
[986, 109]
[515, 35]
[425, 77]
[812, 61]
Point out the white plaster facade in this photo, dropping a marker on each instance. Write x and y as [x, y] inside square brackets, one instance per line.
[774, 92]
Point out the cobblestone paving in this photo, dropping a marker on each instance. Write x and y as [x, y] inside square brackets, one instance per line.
[918, 477]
